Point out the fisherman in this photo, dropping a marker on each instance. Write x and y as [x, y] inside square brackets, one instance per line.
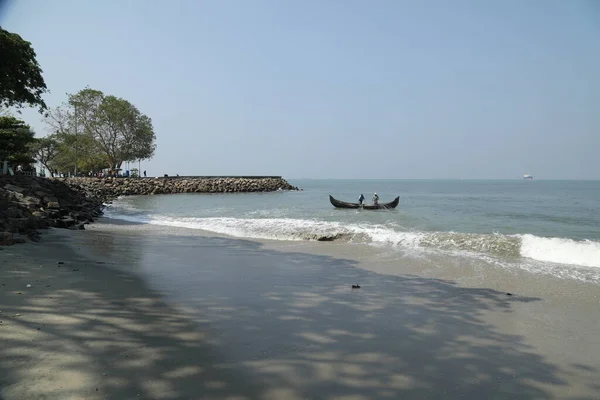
[361, 199]
[375, 199]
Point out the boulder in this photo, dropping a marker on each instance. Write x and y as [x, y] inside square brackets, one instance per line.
[34, 236]
[49, 199]
[16, 196]
[32, 200]
[14, 212]
[66, 222]
[6, 239]
[14, 188]
[21, 225]
[19, 240]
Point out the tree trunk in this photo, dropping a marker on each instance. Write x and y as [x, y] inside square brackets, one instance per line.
[49, 169]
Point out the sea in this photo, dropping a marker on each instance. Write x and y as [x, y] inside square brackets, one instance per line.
[537, 226]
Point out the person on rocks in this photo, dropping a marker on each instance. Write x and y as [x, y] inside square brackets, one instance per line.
[361, 199]
[144, 173]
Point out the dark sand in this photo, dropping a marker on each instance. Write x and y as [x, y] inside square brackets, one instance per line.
[215, 318]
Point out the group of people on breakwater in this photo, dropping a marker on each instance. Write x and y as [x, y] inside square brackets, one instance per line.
[108, 173]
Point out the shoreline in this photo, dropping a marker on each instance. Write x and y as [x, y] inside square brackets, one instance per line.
[29, 204]
[148, 322]
[386, 257]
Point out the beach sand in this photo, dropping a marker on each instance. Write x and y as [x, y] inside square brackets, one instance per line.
[86, 331]
[141, 315]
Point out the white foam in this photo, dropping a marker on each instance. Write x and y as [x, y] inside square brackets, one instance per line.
[554, 250]
[561, 251]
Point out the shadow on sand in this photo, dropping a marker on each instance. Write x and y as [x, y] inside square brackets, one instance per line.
[268, 324]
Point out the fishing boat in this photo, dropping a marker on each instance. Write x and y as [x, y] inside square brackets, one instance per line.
[381, 206]
[527, 176]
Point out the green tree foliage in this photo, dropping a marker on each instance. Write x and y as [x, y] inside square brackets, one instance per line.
[57, 152]
[89, 156]
[103, 129]
[21, 81]
[72, 147]
[122, 132]
[46, 150]
[16, 141]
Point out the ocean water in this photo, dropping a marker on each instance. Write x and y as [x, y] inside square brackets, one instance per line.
[550, 227]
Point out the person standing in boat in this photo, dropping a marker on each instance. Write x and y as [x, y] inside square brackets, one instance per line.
[361, 199]
[375, 199]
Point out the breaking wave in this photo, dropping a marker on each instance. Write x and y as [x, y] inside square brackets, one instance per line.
[554, 250]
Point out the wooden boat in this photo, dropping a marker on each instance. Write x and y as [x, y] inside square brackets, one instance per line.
[381, 206]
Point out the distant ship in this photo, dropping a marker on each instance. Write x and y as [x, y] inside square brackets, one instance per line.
[527, 176]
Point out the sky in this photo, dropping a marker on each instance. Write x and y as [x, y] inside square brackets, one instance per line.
[337, 88]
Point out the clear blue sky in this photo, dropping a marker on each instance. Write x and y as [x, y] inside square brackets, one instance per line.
[337, 88]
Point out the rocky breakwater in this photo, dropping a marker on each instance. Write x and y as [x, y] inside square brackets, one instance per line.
[31, 203]
[28, 204]
[109, 188]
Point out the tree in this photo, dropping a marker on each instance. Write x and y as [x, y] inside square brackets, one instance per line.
[143, 144]
[74, 145]
[61, 122]
[120, 130]
[16, 140]
[21, 81]
[89, 155]
[64, 160]
[46, 150]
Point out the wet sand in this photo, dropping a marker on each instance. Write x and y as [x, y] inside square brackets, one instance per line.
[87, 331]
[140, 315]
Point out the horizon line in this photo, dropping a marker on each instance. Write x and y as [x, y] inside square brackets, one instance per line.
[450, 179]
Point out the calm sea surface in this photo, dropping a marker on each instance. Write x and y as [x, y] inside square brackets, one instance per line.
[549, 226]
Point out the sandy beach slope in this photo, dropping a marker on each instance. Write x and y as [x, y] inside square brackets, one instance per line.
[84, 331]
[257, 323]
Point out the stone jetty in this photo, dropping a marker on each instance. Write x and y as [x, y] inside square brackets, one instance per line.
[28, 204]
[108, 188]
